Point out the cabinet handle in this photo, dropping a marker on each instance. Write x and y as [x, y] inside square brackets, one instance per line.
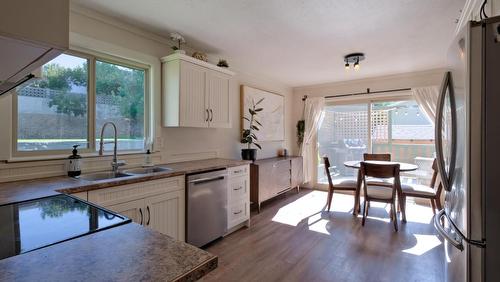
[208, 115]
[238, 171]
[149, 215]
[239, 188]
[211, 115]
[240, 211]
[140, 211]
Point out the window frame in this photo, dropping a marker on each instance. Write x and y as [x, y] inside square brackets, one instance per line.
[91, 57]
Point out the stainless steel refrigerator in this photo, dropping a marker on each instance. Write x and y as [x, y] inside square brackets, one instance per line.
[468, 151]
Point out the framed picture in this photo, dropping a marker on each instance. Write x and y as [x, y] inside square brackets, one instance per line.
[272, 117]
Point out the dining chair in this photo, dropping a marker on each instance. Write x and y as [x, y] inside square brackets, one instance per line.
[379, 157]
[380, 193]
[339, 184]
[431, 192]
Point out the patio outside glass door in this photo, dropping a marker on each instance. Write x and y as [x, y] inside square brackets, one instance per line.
[343, 136]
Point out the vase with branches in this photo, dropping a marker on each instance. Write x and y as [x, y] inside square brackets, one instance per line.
[179, 39]
[248, 135]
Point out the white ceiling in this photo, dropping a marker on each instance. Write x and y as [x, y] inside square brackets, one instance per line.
[302, 42]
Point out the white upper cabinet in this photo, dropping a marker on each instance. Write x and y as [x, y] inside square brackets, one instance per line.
[195, 93]
[192, 105]
[217, 94]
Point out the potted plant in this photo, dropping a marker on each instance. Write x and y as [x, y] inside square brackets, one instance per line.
[248, 136]
[222, 63]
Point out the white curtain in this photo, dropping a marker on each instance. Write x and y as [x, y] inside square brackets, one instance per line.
[427, 99]
[313, 113]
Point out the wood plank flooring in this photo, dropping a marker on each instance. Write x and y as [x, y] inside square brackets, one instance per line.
[295, 239]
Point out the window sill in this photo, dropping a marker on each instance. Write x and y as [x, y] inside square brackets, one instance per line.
[64, 157]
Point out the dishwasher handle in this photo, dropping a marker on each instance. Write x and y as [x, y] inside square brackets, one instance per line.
[206, 179]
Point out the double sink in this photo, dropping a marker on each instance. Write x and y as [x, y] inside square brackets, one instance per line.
[129, 172]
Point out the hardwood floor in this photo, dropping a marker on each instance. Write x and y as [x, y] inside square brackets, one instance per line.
[295, 239]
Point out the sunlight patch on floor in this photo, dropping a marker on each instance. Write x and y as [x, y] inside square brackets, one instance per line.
[309, 208]
[302, 208]
[318, 224]
[424, 244]
[418, 213]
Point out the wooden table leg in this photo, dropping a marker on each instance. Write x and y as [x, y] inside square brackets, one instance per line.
[357, 195]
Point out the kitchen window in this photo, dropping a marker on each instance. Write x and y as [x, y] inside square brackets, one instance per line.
[73, 97]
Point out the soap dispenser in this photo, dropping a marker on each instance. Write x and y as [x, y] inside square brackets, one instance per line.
[74, 168]
[148, 161]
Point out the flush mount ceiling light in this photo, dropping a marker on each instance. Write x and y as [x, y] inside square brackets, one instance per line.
[353, 59]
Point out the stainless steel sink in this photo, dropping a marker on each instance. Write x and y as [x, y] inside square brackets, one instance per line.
[147, 170]
[103, 175]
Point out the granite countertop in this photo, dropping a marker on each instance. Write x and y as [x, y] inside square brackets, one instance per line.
[124, 253]
[24, 190]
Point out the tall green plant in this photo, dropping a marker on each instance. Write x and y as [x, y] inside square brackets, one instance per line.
[248, 135]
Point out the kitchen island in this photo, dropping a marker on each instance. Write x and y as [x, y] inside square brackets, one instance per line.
[124, 253]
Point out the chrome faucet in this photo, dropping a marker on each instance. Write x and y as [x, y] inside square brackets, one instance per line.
[115, 164]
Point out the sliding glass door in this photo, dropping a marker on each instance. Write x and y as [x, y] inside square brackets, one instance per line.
[394, 126]
[342, 136]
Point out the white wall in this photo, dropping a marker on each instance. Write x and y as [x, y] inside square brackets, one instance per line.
[92, 31]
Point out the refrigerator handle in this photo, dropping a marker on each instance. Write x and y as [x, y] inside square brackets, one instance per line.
[456, 242]
[446, 177]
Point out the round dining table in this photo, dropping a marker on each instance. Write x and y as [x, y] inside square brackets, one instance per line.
[403, 167]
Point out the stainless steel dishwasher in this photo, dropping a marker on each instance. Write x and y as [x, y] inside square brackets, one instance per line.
[206, 207]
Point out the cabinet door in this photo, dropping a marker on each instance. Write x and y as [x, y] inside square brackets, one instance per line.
[281, 179]
[165, 214]
[218, 99]
[134, 210]
[193, 110]
[297, 173]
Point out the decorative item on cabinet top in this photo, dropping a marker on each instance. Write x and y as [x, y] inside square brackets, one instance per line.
[200, 56]
[195, 93]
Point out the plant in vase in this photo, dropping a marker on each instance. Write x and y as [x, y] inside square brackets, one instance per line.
[248, 135]
[222, 63]
[180, 40]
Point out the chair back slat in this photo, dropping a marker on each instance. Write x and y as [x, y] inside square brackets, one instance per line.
[380, 170]
[377, 157]
[327, 170]
[436, 179]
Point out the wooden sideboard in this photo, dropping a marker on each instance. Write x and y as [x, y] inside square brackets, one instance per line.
[274, 176]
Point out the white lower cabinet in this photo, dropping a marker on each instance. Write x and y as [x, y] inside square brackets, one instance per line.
[157, 204]
[166, 214]
[132, 210]
[238, 197]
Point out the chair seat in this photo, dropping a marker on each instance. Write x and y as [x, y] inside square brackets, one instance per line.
[344, 183]
[379, 192]
[380, 181]
[418, 189]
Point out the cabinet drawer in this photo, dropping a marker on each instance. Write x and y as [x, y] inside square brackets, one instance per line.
[238, 189]
[124, 193]
[238, 213]
[238, 170]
